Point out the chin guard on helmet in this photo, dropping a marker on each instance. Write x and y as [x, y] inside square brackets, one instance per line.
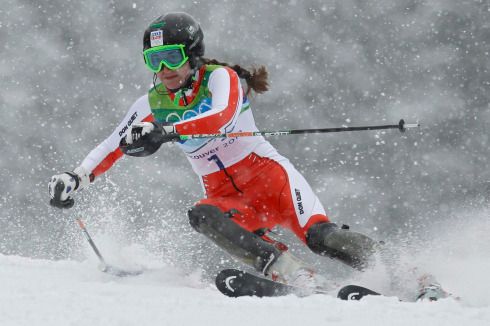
[148, 143]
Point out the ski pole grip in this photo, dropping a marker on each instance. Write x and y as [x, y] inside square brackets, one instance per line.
[80, 223]
[402, 126]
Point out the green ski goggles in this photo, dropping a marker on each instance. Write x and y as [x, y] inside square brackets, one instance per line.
[172, 56]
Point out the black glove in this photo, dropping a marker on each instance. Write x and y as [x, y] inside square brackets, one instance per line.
[145, 138]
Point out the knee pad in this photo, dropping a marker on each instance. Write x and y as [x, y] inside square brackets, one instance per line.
[200, 214]
[316, 234]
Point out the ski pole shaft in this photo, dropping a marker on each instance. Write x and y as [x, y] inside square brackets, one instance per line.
[109, 269]
[402, 126]
[90, 241]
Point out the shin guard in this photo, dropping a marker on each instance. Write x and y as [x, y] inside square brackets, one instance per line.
[352, 248]
[244, 245]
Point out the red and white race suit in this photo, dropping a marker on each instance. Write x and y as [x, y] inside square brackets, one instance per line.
[244, 173]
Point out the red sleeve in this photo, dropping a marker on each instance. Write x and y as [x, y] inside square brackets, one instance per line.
[113, 156]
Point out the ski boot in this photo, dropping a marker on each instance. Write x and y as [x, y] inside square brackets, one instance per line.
[430, 289]
[290, 270]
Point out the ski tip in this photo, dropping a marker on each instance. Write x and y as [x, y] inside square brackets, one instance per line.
[228, 282]
[236, 283]
[354, 292]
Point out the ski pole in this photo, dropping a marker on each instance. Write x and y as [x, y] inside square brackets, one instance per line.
[103, 265]
[402, 126]
[92, 243]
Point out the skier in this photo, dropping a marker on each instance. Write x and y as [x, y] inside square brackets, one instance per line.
[250, 188]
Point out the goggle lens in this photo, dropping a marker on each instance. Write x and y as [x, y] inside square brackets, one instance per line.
[172, 56]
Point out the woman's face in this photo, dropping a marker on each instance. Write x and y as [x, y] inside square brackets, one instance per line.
[174, 79]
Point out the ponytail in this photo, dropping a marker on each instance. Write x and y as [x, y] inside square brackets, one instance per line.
[256, 78]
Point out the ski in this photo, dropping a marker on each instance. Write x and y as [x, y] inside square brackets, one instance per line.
[237, 283]
[354, 292]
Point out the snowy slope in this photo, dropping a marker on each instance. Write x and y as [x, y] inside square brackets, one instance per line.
[42, 292]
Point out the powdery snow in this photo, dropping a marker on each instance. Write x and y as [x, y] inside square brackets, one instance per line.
[42, 292]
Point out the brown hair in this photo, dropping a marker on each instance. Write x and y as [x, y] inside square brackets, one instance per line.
[256, 78]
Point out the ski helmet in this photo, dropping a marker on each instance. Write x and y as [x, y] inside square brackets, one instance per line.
[177, 28]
